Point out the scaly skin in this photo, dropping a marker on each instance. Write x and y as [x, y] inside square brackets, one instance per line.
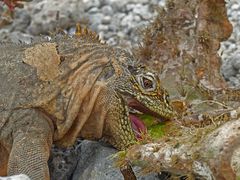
[55, 91]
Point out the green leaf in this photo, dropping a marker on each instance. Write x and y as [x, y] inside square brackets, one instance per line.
[155, 128]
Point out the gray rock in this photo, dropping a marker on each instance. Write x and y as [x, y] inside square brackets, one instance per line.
[93, 10]
[46, 15]
[95, 20]
[236, 61]
[21, 21]
[113, 28]
[142, 10]
[113, 41]
[89, 4]
[137, 18]
[96, 163]
[231, 47]
[119, 16]
[102, 28]
[106, 20]
[130, 7]
[16, 36]
[234, 81]
[62, 162]
[107, 10]
[228, 71]
[127, 21]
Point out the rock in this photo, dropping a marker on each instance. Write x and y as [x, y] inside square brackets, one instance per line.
[89, 160]
[62, 162]
[130, 7]
[235, 6]
[16, 177]
[95, 162]
[236, 61]
[15, 36]
[137, 19]
[230, 67]
[142, 10]
[127, 21]
[46, 15]
[93, 10]
[89, 4]
[234, 81]
[95, 20]
[103, 28]
[113, 41]
[228, 70]
[107, 10]
[21, 21]
[106, 20]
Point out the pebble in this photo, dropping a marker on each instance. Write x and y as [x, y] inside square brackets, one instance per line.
[103, 28]
[142, 10]
[235, 7]
[107, 10]
[89, 4]
[106, 20]
[93, 10]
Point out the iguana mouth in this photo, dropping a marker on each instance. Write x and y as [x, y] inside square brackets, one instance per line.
[138, 126]
[135, 109]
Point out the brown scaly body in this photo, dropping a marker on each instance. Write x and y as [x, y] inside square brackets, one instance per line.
[55, 91]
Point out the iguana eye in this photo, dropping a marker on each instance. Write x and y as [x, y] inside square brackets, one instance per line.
[147, 83]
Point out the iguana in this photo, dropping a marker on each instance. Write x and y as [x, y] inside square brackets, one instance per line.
[55, 90]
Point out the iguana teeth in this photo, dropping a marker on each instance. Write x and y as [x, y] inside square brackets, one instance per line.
[134, 111]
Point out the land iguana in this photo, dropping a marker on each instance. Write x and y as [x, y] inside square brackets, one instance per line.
[55, 90]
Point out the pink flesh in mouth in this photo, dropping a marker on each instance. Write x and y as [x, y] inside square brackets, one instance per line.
[138, 126]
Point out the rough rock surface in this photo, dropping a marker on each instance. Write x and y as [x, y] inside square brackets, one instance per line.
[116, 21]
[230, 49]
[88, 160]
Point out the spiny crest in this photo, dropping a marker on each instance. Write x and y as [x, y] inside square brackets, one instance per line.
[88, 34]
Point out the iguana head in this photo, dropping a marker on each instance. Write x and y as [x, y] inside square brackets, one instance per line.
[142, 92]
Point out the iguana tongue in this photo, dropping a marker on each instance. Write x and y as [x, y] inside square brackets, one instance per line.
[138, 126]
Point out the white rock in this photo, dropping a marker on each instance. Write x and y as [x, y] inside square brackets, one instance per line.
[127, 20]
[235, 7]
[107, 10]
[142, 10]
[90, 3]
[130, 7]
[93, 10]
[103, 28]
[106, 20]
[16, 177]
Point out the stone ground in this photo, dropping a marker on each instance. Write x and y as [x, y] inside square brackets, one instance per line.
[230, 49]
[118, 22]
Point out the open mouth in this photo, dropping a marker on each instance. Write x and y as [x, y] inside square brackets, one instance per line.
[135, 110]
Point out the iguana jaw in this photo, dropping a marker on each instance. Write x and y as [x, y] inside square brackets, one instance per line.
[135, 104]
[137, 124]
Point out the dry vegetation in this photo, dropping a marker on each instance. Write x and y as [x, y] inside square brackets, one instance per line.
[203, 141]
